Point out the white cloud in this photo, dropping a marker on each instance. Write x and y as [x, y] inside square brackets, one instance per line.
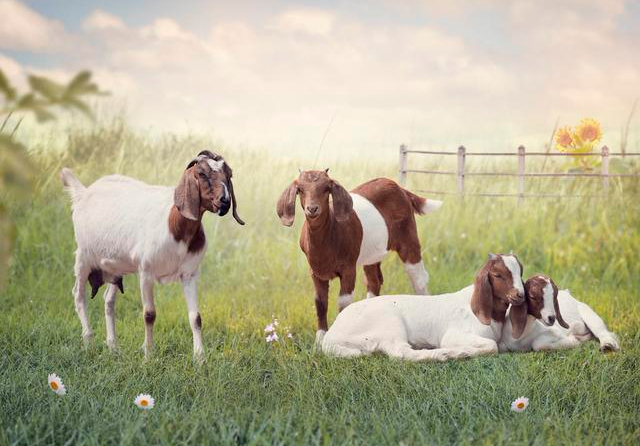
[277, 81]
[101, 20]
[23, 29]
[304, 20]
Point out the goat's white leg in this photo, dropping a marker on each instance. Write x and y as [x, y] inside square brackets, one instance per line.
[109, 315]
[608, 340]
[148, 311]
[403, 350]
[470, 344]
[80, 297]
[553, 342]
[190, 287]
[341, 351]
[419, 277]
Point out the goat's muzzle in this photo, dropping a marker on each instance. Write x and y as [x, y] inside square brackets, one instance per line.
[225, 205]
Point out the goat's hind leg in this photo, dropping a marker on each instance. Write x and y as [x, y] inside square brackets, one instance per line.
[608, 340]
[109, 315]
[82, 272]
[409, 252]
[374, 279]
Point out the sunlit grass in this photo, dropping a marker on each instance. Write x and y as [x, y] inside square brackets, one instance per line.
[251, 392]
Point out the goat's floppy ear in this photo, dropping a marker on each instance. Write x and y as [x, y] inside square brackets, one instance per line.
[286, 207]
[482, 297]
[186, 197]
[342, 202]
[518, 315]
[234, 203]
[561, 321]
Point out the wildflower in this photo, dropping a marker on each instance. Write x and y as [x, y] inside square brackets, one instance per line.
[520, 404]
[269, 328]
[55, 384]
[289, 335]
[272, 337]
[589, 130]
[144, 401]
[564, 138]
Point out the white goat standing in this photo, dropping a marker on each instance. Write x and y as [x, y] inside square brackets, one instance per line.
[123, 226]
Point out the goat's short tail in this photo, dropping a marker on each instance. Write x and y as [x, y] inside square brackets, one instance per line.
[423, 205]
[72, 184]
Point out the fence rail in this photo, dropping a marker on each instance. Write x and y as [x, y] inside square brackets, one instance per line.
[521, 154]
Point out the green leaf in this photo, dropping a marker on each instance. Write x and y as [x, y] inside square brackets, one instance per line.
[42, 115]
[6, 88]
[79, 83]
[78, 105]
[46, 87]
[26, 101]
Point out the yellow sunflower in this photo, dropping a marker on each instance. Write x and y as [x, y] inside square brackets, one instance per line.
[589, 130]
[564, 139]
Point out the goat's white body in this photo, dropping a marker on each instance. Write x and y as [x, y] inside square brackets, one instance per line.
[375, 234]
[412, 327]
[121, 226]
[584, 324]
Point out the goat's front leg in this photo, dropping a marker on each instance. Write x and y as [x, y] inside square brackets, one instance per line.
[190, 287]
[347, 285]
[554, 342]
[148, 311]
[322, 303]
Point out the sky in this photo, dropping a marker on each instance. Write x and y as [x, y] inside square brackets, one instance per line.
[354, 77]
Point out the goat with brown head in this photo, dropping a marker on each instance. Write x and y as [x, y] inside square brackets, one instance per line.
[541, 302]
[314, 188]
[206, 185]
[497, 284]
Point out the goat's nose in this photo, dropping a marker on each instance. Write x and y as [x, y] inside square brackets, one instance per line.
[312, 209]
[552, 320]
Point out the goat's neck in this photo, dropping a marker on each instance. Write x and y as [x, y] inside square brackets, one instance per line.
[183, 229]
[320, 232]
[499, 310]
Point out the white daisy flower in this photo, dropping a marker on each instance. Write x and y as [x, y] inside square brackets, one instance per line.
[290, 336]
[269, 328]
[520, 404]
[144, 401]
[55, 384]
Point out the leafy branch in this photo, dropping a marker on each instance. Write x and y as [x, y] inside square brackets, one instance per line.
[16, 168]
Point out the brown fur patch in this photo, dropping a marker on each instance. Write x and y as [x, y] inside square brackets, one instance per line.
[397, 207]
[187, 231]
[149, 317]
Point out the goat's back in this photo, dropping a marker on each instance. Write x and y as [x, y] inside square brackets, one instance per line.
[116, 214]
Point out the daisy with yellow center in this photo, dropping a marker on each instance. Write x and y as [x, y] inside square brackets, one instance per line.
[564, 138]
[589, 130]
[520, 404]
[144, 401]
[56, 385]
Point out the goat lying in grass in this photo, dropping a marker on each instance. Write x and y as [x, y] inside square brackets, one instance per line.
[357, 228]
[123, 226]
[532, 326]
[435, 328]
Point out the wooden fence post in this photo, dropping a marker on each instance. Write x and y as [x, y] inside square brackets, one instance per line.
[521, 159]
[402, 176]
[605, 168]
[461, 159]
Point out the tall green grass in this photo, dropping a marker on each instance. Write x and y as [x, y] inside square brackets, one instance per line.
[249, 392]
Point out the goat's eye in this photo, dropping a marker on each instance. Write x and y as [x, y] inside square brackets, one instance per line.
[202, 174]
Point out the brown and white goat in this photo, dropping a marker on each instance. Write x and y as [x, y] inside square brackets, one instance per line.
[124, 226]
[356, 228]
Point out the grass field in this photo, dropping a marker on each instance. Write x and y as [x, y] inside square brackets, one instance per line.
[250, 392]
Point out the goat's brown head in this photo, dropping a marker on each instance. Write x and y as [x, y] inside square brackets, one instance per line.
[206, 186]
[314, 188]
[497, 284]
[541, 302]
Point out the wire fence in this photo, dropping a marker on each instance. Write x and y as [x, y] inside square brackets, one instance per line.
[521, 173]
